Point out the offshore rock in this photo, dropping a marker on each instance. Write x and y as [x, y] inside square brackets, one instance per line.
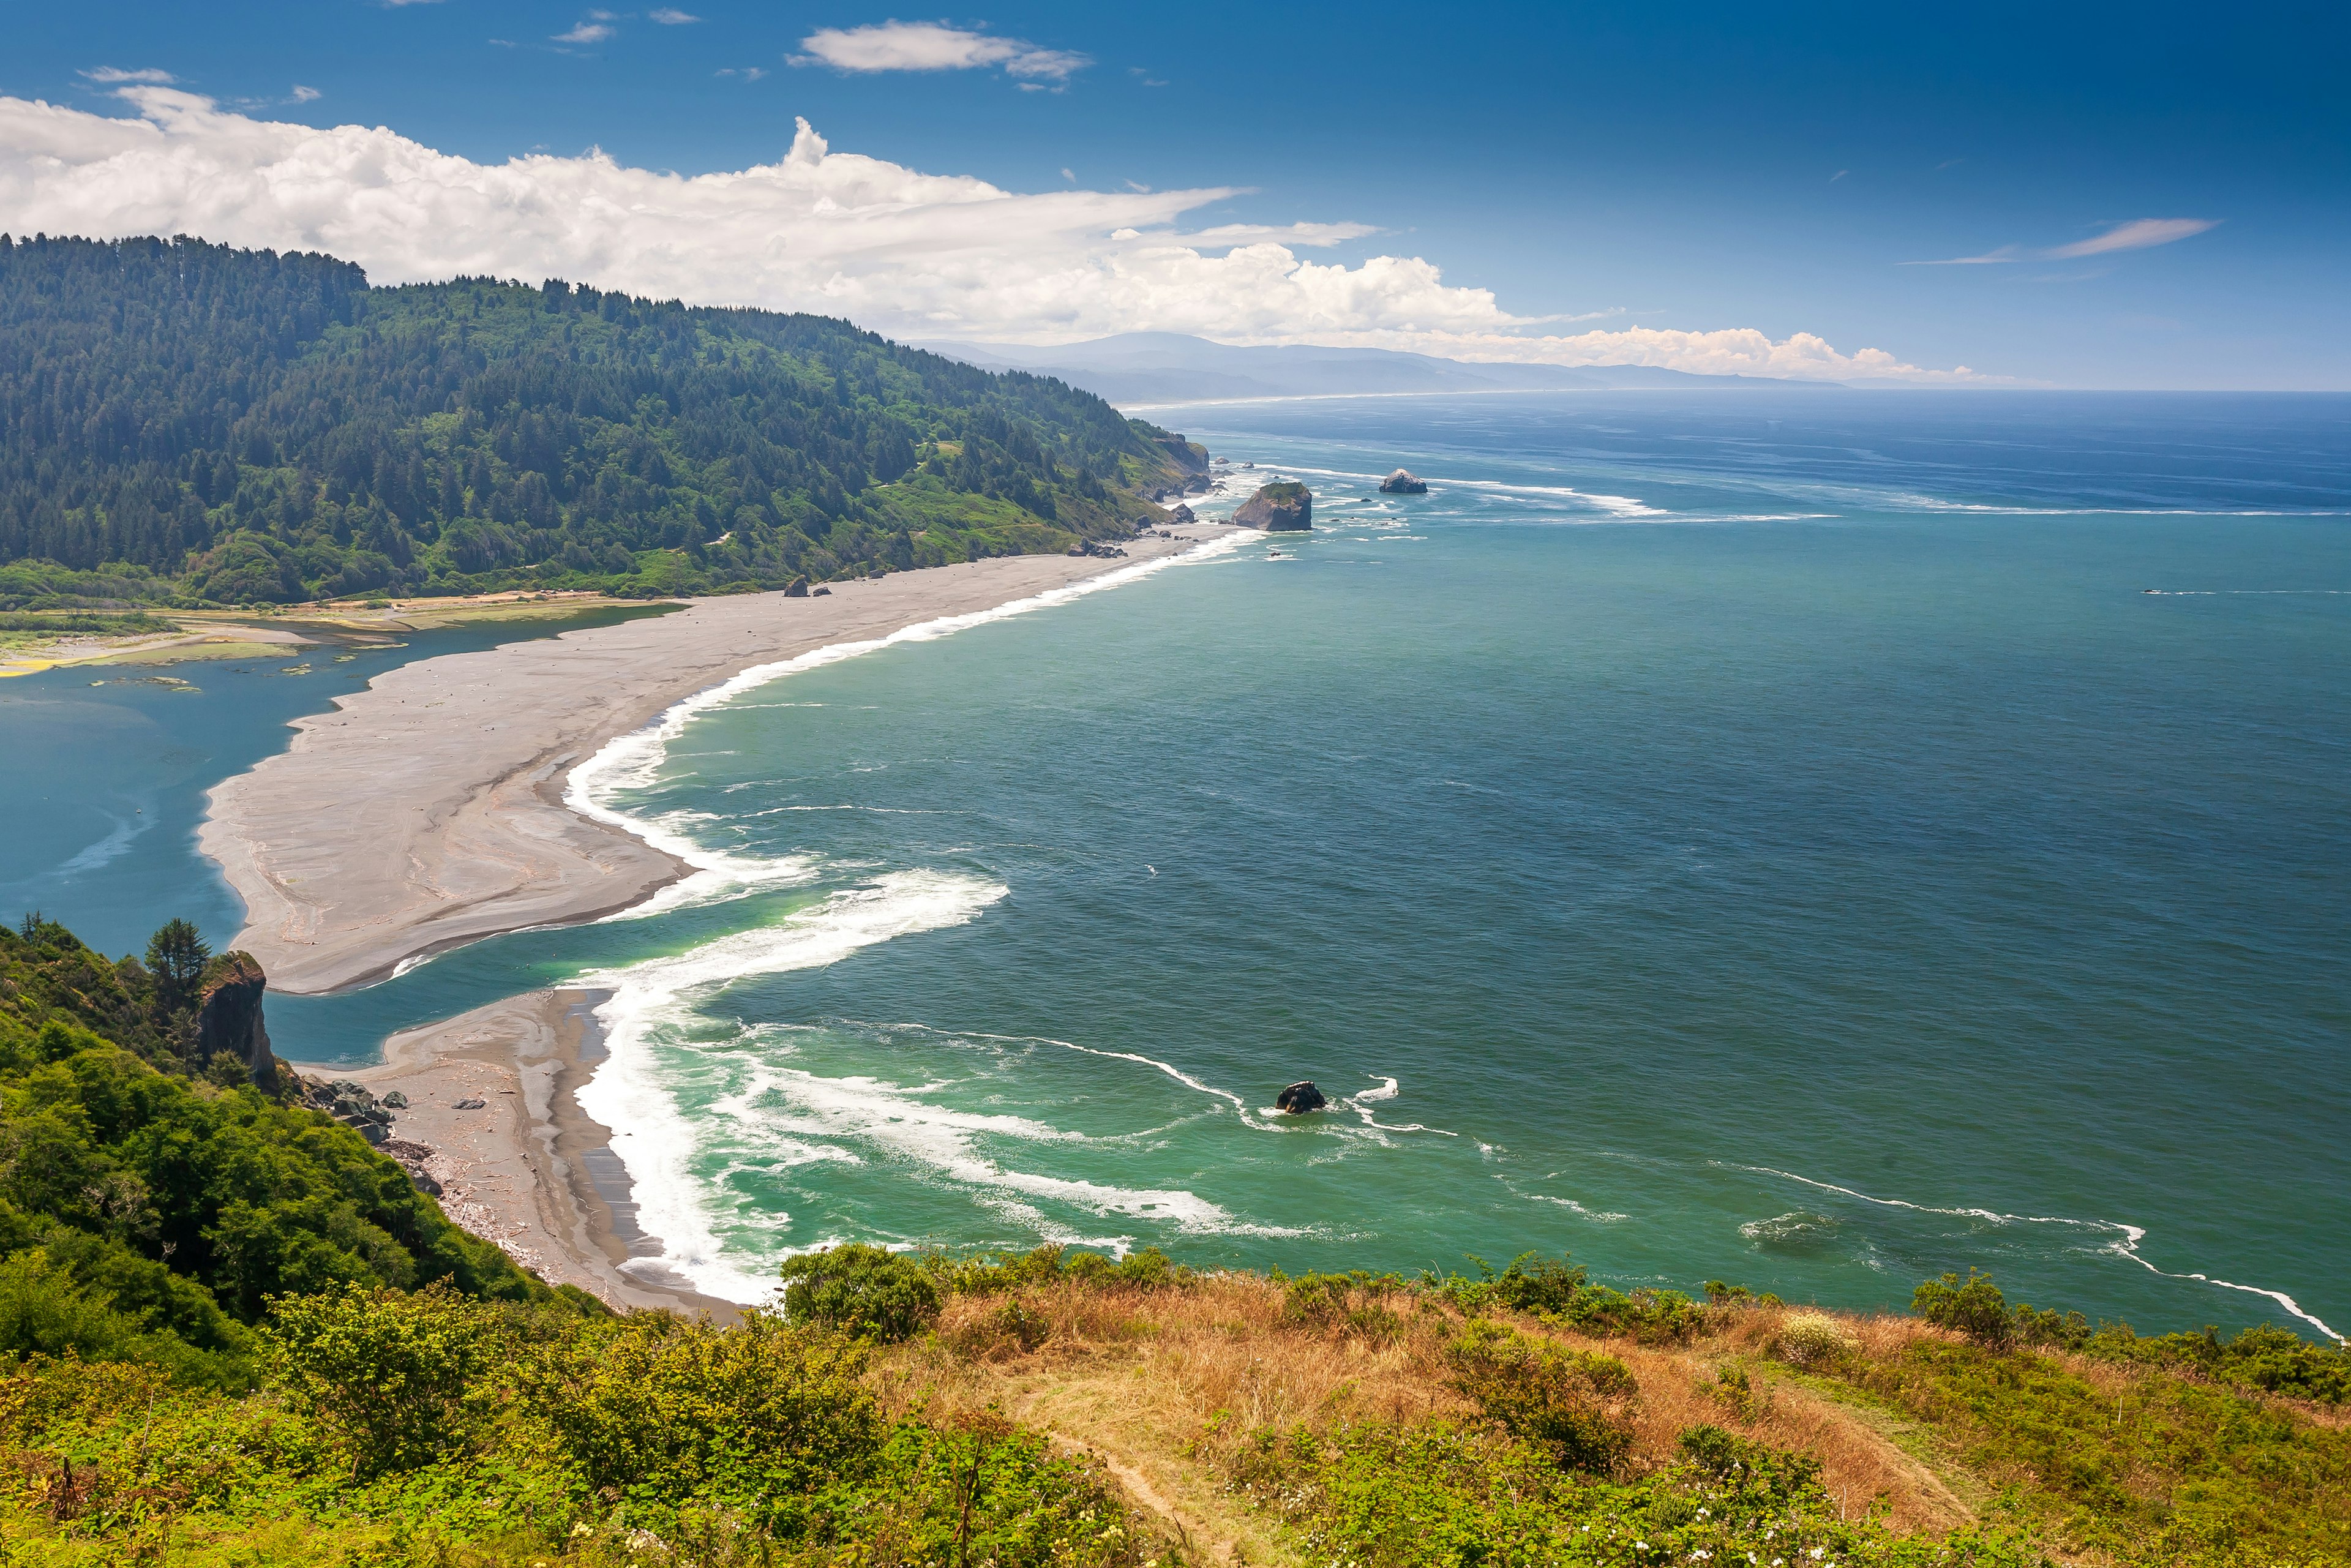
[1404, 482]
[1281, 508]
[1300, 1098]
[1183, 514]
[228, 1017]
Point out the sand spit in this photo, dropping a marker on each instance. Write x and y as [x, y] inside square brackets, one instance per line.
[427, 810]
[527, 1167]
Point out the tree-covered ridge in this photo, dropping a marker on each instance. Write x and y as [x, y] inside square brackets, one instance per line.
[270, 428]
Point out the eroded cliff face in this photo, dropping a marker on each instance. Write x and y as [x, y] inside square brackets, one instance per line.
[228, 1017]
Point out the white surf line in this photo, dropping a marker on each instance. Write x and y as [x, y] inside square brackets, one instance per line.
[1177, 1073]
[1616, 506]
[1598, 1217]
[2125, 1248]
[635, 757]
[1362, 1100]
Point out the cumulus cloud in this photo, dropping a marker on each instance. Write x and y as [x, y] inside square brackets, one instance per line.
[932, 46]
[110, 75]
[2139, 233]
[594, 30]
[902, 252]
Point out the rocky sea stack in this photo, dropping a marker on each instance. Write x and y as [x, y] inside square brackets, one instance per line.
[1404, 482]
[1300, 1098]
[228, 1017]
[1285, 507]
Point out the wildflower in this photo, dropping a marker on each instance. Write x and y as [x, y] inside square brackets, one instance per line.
[1817, 1551]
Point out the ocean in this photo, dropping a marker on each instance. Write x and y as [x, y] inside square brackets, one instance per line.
[1814, 840]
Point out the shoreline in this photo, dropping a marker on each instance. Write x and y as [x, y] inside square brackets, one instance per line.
[425, 830]
[528, 1170]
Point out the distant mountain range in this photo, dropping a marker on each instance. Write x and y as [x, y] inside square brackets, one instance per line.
[1146, 368]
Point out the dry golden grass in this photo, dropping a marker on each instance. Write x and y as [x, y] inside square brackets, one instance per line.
[1164, 1385]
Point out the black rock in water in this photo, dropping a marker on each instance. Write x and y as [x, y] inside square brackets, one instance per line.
[1284, 506]
[1404, 482]
[1300, 1098]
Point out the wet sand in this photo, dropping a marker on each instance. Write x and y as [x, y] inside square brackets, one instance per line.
[528, 1169]
[427, 810]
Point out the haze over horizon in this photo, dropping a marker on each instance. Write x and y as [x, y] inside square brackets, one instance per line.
[2097, 199]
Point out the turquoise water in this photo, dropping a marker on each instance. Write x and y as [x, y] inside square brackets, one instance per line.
[105, 768]
[1766, 837]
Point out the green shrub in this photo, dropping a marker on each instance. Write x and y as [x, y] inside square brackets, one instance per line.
[866, 1292]
[1810, 1339]
[398, 1379]
[991, 1273]
[1354, 1303]
[760, 1417]
[1571, 1404]
[44, 1312]
[1975, 1309]
[1435, 1495]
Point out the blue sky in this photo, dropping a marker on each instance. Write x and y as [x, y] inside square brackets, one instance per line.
[1711, 169]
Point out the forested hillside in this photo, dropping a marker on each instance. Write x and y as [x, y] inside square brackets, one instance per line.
[148, 1212]
[183, 420]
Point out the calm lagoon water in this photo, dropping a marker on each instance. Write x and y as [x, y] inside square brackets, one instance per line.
[1774, 836]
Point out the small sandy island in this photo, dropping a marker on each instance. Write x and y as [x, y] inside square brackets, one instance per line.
[427, 810]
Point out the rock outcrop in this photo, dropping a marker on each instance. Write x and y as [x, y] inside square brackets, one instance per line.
[1183, 514]
[1404, 482]
[797, 588]
[355, 1107]
[1284, 507]
[1300, 1098]
[228, 1017]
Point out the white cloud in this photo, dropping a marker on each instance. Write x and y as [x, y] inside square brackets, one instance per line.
[670, 16]
[932, 46]
[307, 94]
[902, 252]
[2139, 233]
[2000, 257]
[748, 73]
[110, 75]
[595, 29]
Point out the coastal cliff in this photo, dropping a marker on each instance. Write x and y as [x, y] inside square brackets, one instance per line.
[229, 1018]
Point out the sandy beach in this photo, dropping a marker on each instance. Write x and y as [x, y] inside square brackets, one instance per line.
[527, 1169]
[427, 810]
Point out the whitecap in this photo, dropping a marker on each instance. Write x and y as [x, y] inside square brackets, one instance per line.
[627, 1094]
[2125, 1245]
